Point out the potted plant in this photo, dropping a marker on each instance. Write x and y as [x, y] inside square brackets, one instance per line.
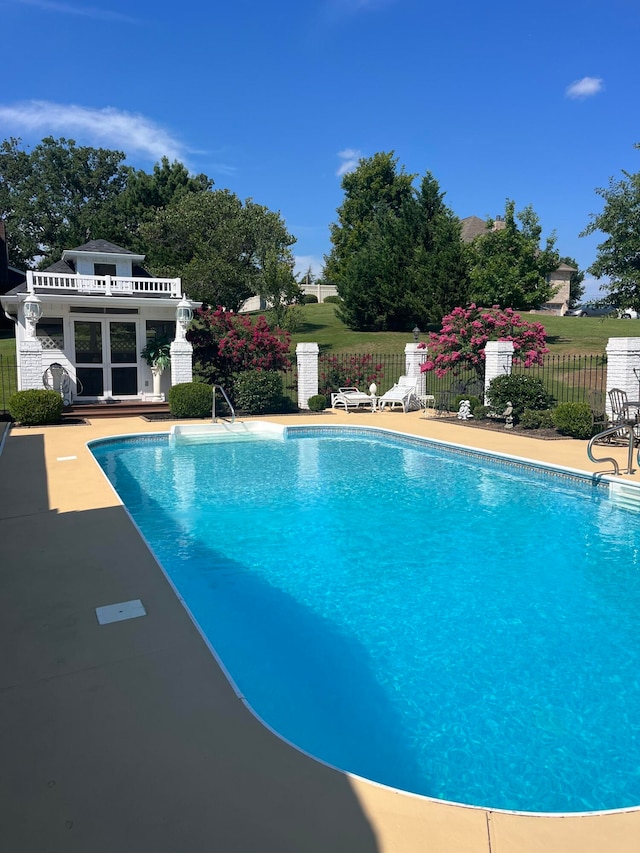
[157, 354]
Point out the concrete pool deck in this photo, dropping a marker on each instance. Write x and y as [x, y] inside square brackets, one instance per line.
[127, 736]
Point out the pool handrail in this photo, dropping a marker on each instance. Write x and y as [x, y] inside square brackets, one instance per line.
[228, 401]
[628, 428]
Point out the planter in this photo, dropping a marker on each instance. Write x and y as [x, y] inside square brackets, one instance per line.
[157, 379]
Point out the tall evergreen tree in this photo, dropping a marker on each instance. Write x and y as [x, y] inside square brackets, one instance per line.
[439, 273]
[397, 257]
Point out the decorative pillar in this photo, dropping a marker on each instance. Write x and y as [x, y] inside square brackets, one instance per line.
[181, 361]
[307, 361]
[30, 372]
[498, 361]
[413, 358]
[623, 367]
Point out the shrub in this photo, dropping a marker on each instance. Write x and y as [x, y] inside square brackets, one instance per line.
[332, 300]
[309, 299]
[481, 413]
[317, 403]
[537, 419]
[191, 400]
[257, 392]
[225, 344]
[36, 406]
[474, 402]
[523, 392]
[573, 419]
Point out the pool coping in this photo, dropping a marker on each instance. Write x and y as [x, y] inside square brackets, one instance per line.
[394, 821]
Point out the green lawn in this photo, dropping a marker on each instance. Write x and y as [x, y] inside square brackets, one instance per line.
[575, 335]
[571, 335]
[7, 343]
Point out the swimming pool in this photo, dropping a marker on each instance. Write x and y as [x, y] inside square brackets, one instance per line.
[432, 619]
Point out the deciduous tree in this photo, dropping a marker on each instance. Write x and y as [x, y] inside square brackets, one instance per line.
[465, 332]
[508, 265]
[51, 196]
[217, 244]
[619, 254]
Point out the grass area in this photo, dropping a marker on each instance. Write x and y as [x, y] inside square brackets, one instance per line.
[7, 342]
[565, 335]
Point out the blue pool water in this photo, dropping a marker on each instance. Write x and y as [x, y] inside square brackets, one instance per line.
[435, 621]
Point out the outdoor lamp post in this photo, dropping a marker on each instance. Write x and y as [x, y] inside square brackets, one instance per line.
[184, 315]
[32, 312]
[416, 334]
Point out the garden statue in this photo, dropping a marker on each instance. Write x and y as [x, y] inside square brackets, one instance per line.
[508, 416]
[464, 410]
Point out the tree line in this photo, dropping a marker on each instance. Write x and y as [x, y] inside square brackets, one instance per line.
[397, 256]
[60, 195]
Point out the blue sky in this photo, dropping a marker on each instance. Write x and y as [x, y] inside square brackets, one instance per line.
[275, 100]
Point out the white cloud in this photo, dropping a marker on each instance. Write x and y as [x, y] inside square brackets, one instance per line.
[303, 262]
[130, 132]
[350, 158]
[83, 11]
[584, 88]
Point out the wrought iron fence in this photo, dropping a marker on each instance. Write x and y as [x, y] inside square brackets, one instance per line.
[569, 378]
[359, 370]
[8, 381]
[290, 382]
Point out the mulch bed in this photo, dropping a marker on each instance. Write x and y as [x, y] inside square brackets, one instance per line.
[499, 426]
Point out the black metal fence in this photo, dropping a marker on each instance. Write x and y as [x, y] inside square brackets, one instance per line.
[568, 377]
[8, 381]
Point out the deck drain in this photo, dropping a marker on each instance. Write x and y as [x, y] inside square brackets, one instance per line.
[120, 612]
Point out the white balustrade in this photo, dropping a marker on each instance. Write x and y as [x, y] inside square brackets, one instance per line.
[104, 285]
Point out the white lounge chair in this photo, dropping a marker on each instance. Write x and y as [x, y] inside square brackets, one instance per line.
[403, 393]
[351, 398]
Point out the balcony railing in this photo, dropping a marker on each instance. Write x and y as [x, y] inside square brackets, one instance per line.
[103, 285]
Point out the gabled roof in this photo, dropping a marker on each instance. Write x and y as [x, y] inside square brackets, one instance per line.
[101, 248]
[472, 227]
[65, 267]
[104, 247]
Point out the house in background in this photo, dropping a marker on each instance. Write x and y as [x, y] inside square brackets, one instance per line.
[90, 315]
[560, 278]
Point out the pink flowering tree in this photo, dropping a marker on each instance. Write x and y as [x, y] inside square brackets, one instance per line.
[225, 344]
[465, 332]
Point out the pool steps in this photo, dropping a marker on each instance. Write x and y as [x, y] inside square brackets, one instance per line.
[224, 431]
[626, 495]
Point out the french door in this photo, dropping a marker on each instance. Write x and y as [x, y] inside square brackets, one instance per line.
[106, 357]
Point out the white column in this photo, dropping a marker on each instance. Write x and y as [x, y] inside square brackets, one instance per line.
[30, 372]
[623, 367]
[181, 361]
[413, 358]
[498, 360]
[307, 361]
